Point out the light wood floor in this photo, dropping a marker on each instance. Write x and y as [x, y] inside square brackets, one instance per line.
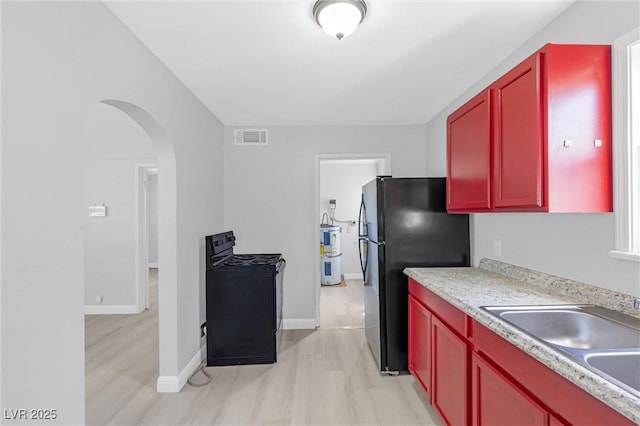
[342, 307]
[324, 376]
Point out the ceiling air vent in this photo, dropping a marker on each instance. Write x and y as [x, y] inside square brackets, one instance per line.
[256, 137]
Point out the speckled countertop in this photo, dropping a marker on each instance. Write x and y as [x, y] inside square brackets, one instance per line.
[498, 283]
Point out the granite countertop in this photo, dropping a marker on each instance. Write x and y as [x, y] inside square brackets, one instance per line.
[498, 283]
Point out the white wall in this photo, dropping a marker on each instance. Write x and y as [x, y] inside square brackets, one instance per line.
[574, 246]
[270, 194]
[342, 180]
[114, 145]
[58, 60]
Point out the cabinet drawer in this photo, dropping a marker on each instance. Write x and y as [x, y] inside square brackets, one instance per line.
[449, 314]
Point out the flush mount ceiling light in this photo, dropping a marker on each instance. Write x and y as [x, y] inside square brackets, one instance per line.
[339, 18]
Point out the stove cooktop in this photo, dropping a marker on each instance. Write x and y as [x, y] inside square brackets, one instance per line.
[252, 259]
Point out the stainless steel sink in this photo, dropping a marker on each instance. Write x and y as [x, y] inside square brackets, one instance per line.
[573, 328]
[618, 365]
[604, 341]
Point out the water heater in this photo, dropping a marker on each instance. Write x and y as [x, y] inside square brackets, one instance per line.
[330, 255]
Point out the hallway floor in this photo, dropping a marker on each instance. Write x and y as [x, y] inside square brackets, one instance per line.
[324, 376]
[342, 307]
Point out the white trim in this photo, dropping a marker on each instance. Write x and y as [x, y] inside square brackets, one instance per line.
[142, 173]
[168, 384]
[356, 276]
[624, 255]
[386, 164]
[621, 147]
[299, 323]
[111, 309]
[173, 384]
[153, 265]
[1, 227]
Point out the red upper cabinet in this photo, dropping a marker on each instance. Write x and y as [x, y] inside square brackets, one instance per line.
[469, 156]
[550, 136]
[517, 137]
[578, 131]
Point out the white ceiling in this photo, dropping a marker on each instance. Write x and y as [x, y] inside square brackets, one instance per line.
[266, 62]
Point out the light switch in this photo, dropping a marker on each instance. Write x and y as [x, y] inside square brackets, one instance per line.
[98, 210]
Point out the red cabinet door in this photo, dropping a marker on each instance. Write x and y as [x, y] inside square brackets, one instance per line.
[518, 178]
[496, 401]
[578, 117]
[469, 156]
[420, 344]
[449, 374]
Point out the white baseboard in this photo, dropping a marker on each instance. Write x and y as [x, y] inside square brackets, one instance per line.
[298, 323]
[111, 309]
[168, 384]
[153, 265]
[173, 384]
[357, 276]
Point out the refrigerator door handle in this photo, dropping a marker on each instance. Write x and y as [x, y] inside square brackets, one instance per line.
[362, 239]
[362, 219]
[364, 260]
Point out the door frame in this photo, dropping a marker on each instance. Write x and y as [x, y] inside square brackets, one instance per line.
[385, 165]
[142, 173]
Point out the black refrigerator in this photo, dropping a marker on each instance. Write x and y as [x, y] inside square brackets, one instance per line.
[403, 222]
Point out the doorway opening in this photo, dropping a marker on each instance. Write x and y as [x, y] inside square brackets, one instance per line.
[339, 179]
[147, 263]
[126, 302]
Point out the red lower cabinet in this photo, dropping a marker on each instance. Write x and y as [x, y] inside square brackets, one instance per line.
[450, 378]
[496, 401]
[569, 404]
[472, 376]
[420, 344]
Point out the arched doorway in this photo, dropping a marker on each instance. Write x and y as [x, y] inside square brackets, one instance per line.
[167, 234]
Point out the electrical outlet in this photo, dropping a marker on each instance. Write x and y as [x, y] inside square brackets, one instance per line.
[497, 248]
[99, 298]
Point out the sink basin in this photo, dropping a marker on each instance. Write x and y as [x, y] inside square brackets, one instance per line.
[618, 365]
[574, 329]
[604, 341]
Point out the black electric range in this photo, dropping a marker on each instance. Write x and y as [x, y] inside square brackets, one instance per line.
[244, 303]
